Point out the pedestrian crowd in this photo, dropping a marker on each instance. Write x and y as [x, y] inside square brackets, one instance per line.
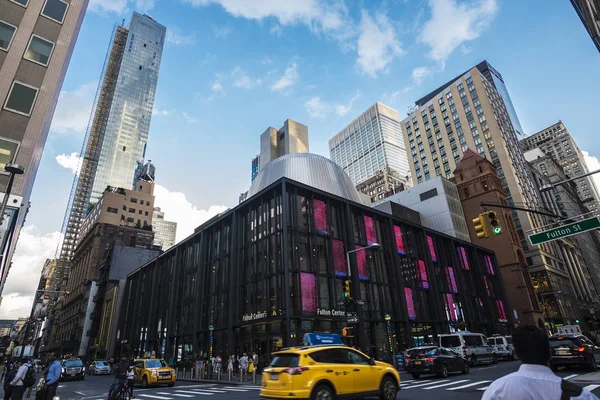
[211, 367]
[20, 377]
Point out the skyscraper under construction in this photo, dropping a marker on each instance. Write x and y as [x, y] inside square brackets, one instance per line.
[115, 144]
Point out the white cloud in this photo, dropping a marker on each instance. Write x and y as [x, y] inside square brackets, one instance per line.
[176, 37]
[217, 87]
[242, 80]
[593, 164]
[453, 23]
[144, 5]
[108, 6]
[158, 112]
[266, 60]
[71, 161]
[276, 30]
[188, 118]
[221, 32]
[33, 248]
[343, 109]
[179, 209]
[288, 79]
[316, 107]
[377, 44]
[73, 109]
[420, 73]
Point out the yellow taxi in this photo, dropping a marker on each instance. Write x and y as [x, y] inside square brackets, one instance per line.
[327, 372]
[153, 371]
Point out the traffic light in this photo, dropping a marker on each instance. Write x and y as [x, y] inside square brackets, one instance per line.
[347, 331]
[481, 228]
[494, 222]
[347, 289]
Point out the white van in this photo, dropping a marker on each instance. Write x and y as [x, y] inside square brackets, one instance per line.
[473, 347]
[503, 346]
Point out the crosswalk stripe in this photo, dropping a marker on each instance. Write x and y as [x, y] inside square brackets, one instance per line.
[235, 390]
[155, 397]
[591, 387]
[245, 387]
[469, 385]
[408, 384]
[175, 394]
[566, 378]
[425, 384]
[446, 384]
[213, 390]
[197, 391]
[483, 388]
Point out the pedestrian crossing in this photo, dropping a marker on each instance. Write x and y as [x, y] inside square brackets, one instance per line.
[185, 392]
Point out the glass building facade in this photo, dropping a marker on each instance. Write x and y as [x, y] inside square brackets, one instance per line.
[126, 131]
[261, 275]
[371, 143]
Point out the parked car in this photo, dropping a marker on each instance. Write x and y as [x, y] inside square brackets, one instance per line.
[72, 369]
[99, 367]
[570, 350]
[472, 346]
[503, 347]
[435, 360]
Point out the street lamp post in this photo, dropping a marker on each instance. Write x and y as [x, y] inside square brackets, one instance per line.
[371, 246]
[12, 169]
[388, 318]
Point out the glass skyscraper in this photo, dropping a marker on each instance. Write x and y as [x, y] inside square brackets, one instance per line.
[115, 143]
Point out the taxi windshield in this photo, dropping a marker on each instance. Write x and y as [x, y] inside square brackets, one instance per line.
[155, 364]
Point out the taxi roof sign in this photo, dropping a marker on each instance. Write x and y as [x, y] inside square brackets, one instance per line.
[313, 339]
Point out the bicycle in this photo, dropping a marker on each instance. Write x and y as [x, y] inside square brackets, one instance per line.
[119, 391]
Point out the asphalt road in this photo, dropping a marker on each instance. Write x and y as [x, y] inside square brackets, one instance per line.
[456, 386]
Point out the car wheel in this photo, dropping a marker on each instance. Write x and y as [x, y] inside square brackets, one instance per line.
[443, 371]
[322, 392]
[466, 368]
[592, 366]
[388, 389]
[494, 359]
[416, 376]
[473, 360]
[145, 382]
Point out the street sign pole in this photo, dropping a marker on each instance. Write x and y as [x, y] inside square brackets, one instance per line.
[565, 231]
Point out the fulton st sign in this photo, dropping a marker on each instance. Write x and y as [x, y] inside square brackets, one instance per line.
[565, 230]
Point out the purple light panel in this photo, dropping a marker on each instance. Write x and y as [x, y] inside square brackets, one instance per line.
[399, 241]
[462, 256]
[320, 217]
[308, 285]
[339, 258]
[450, 306]
[487, 288]
[410, 305]
[500, 308]
[370, 228]
[361, 261]
[452, 286]
[422, 273]
[431, 248]
[489, 265]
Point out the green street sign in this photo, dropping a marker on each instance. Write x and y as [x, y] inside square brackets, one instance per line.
[565, 230]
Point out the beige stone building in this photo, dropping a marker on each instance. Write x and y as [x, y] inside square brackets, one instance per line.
[36, 41]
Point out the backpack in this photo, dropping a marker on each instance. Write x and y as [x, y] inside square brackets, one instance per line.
[569, 389]
[29, 379]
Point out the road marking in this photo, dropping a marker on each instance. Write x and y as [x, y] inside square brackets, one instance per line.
[481, 369]
[566, 378]
[235, 390]
[80, 393]
[244, 386]
[469, 385]
[419, 381]
[156, 397]
[446, 384]
[197, 391]
[174, 394]
[426, 384]
[591, 387]
[214, 390]
[483, 388]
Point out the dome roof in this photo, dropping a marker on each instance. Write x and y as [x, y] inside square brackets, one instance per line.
[310, 169]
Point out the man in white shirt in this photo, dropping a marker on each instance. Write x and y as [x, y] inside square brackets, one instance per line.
[534, 380]
[18, 387]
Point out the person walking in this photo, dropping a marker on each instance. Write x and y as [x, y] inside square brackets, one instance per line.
[218, 364]
[130, 382]
[52, 376]
[534, 380]
[199, 367]
[11, 372]
[244, 367]
[230, 365]
[255, 361]
[19, 382]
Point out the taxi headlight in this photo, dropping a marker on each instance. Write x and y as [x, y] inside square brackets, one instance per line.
[155, 373]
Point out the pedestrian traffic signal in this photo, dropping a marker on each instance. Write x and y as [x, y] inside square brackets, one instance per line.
[348, 331]
[481, 228]
[347, 289]
[494, 222]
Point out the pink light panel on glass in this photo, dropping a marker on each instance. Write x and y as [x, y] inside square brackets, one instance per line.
[361, 261]
[308, 286]
[500, 308]
[487, 288]
[320, 217]
[452, 286]
[370, 228]
[399, 240]
[462, 256]
[410, 305]
[422, 274]
[489, 265]
[339, 258]
[431, 248]
[450, 306]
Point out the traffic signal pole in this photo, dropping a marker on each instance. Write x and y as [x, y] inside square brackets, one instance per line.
[529, 210]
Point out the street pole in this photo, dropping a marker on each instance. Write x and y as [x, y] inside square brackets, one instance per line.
[12, 169]
[388, 318]
[542, 295]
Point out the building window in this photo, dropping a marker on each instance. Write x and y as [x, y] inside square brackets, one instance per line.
[20, 2]
[39, 50]
[146, 213]
[132, 210]
[8, 151]
[140, 212]
[147, 203]
[428, 194]
[55, 10]
[135, 200]
[112, 210]
[21, 98]
[129, 219]
[7, 32]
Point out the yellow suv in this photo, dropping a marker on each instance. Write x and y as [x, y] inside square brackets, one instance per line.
[324, 372]
[153, 371]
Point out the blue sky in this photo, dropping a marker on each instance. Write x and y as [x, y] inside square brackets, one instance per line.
[231, 68]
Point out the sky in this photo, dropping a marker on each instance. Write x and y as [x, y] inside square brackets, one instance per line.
[232, 68]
